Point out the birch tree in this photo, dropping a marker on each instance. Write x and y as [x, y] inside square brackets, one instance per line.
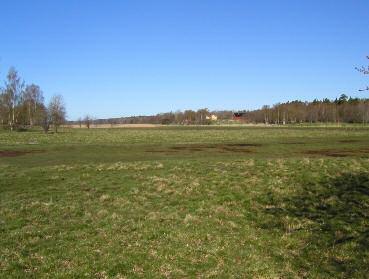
[14, 87]
[56, 111]
[33, 98]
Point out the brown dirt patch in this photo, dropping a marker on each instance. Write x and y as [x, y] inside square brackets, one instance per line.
[16, 153]
[329, 153]
[349, 141]
[244, 145]
[293, 143]
[160, 151]
[221, 148]
[339, 153]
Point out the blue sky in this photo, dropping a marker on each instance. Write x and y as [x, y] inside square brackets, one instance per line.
[119, 58]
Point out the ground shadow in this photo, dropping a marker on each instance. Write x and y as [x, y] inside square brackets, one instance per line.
[334, 216]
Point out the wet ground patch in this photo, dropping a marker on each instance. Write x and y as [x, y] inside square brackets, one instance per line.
[221, 148]
[244, 145]
[349, 141]
[294, 143]
[16, 153]
[362, 152]
[329, 153]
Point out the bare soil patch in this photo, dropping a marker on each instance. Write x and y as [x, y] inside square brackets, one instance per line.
[294, 143]
[339, 152]
[234, 147]
[16, 153]
[349, 141]
[329, 153]
[244, 144]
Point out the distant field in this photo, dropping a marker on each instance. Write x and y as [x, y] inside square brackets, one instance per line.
[254, 202]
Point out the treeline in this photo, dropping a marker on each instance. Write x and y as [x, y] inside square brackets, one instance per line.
[187, 117]
[22, 105]
[341, 110]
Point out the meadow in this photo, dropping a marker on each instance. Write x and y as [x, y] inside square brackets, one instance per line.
[175, 202]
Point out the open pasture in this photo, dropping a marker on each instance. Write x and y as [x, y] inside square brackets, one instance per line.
[254, 202]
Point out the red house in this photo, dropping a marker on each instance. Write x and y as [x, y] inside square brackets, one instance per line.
[239, 116]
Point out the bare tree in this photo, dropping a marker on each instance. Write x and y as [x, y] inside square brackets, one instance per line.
[201, 116]
[14, 86]
[3, 108]
[364, 70]
[111, 122]
[56, 111]
[79, 122]
[20, 105]
[88, 121]
[44, 118]
[33, 98]
[189, 116]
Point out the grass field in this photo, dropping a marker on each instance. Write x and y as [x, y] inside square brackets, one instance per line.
[245, 202]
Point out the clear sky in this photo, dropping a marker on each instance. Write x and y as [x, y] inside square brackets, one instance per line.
[120, 58]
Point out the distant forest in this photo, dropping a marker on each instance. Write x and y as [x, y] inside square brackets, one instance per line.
[341, 110]
[22, 106]
[344, 109]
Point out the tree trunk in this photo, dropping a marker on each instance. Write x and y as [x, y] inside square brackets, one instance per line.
[29, 115]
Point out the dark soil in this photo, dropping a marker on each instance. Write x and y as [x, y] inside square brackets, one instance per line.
[339, 152]
[16, 153]
[294, 143]
[233, 147]
[349, 141]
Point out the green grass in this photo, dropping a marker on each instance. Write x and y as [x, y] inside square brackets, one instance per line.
[185, 202]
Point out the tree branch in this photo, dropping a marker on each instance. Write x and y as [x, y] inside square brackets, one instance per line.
[365, 89]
